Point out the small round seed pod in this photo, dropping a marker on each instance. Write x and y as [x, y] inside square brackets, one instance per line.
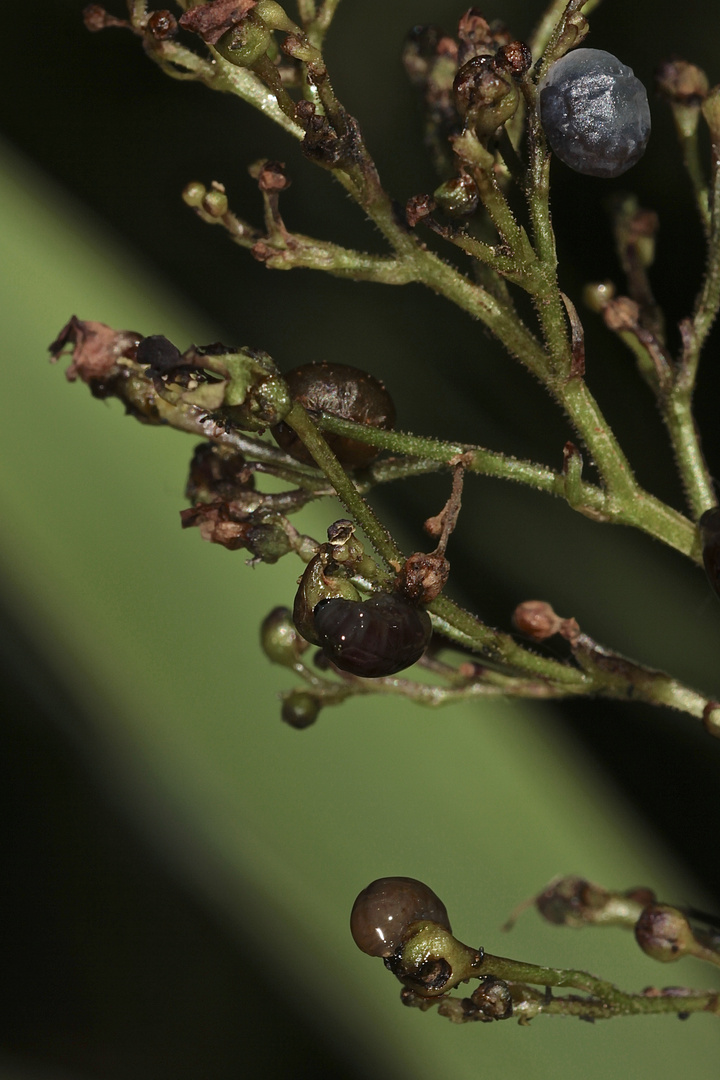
[664, 933]
[373, 637]
[343, 391]
[300, 709]
[385, 912]
[595, 113]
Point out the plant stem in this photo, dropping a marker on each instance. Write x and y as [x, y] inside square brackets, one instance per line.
[346, 490]
[611, 1000]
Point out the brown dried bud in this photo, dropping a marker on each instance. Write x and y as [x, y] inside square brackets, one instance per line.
[474, 29]
[217, 472]
[492, 998]
[515, 58]
[571, 901]
[536, 619]
[423, 577]
[484, 95]
[162, 25]
[417, 208]
[210, 21]
[271, 176]
[97, 18]
[682, 83]
[621, 313]
[664, 933]
[96, 348]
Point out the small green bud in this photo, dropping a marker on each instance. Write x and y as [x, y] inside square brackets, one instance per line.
[597, 295]
[458, 197]
[246, 43]
[194, 193]
[215, 203]
[275, 16]
[267, 541]
[300, 709]
[256, 396]
[279, 639]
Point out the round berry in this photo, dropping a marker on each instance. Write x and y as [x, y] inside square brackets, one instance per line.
[385, 912]
[595, 113]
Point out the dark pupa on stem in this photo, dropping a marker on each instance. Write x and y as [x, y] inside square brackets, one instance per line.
[384, 913]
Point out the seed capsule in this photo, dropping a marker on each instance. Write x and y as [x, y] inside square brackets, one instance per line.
[595, 113]
[373, 637]
[386, 910]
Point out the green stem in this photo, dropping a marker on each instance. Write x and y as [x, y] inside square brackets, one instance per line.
[695, 331]
[548, 23]
[697, 481]
[475, 459]
[614, 1002]
[346, 490]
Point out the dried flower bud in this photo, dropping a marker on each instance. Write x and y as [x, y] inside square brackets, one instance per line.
[536, 619]
[515, 58]
[271, 175]
[423, 577]
[492, 998]
[216, 18]
[162, 25]
[682, 83]
[97, 18]
[217, 472]
[664, 933]
[485, 96]
[621, 313]
[417, 208]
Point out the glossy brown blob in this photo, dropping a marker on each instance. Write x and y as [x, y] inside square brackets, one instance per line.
[384, 912]
[373, 637]
[342, 391]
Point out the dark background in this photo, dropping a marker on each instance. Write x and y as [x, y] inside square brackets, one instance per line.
[103, 122]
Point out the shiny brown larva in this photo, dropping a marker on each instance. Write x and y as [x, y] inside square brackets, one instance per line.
[374, 637]
[385, 911]
[343, 391]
